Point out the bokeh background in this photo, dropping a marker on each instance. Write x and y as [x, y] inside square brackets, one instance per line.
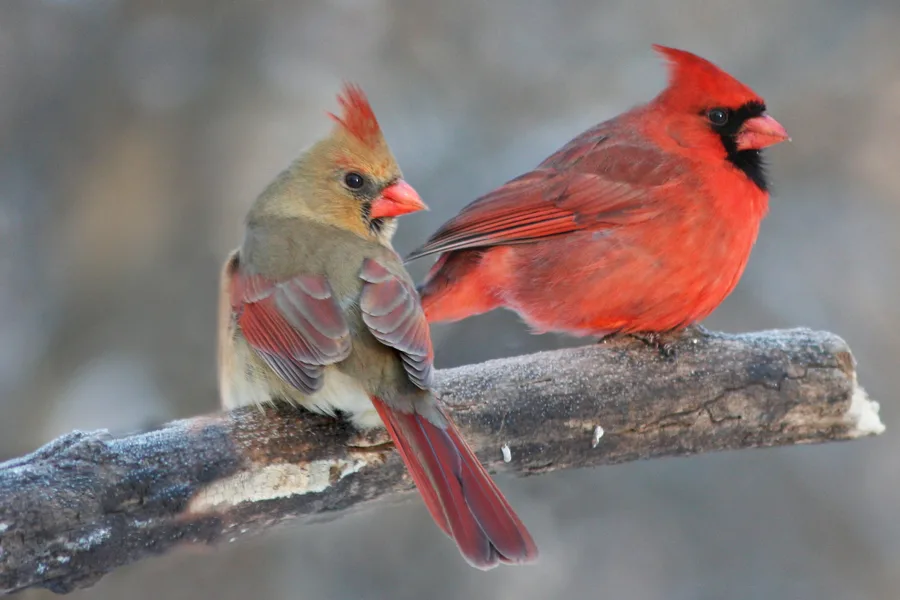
[135, 134]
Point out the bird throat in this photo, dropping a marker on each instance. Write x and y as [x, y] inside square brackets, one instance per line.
[750, 162]
[376, 226]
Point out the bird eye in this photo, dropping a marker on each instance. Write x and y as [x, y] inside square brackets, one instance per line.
[354, 181]
[717, 116]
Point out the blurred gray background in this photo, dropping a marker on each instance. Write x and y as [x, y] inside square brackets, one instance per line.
[135, 134]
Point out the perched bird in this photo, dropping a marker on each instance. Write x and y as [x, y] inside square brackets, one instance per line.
[316, 309]
[640, 225]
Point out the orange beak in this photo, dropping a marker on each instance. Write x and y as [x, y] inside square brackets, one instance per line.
[397, 199]
[760, 132]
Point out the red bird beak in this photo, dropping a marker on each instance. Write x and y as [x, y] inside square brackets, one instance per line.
[397, 199]
[760, 132]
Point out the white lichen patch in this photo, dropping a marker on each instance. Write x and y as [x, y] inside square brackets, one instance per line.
[587, 426]
[87, 542]
[141, 523]
[507, 453]
[274, 481]
[595, 439]
[4, 527]
[863, 414]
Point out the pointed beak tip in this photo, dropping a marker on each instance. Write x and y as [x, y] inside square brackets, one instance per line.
[780, 128]
[410, 196]
[760, 132]
[397, 199]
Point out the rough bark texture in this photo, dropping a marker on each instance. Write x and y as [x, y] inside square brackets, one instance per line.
[87, 503]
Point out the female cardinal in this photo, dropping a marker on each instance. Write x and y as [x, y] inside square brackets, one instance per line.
[642, 224]
[317, 309]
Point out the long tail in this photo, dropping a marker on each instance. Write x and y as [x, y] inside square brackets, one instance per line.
[461, 496]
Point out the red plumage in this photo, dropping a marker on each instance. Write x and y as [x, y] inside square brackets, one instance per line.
[357, 116]
[460, 495]
[643, 223]
[295, 325]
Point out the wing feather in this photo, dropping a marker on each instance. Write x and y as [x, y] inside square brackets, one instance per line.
[603, 186]
[392, 312]
[296, 326]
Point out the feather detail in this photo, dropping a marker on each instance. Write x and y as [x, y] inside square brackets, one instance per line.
[693, 81]
[391, 310]
[295, 326]
[460, 495]
[357, 116]
[554, 200]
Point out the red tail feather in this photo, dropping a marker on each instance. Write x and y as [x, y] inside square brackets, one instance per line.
[459, 493]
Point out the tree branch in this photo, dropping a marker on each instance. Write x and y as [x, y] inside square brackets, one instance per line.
[87, 503]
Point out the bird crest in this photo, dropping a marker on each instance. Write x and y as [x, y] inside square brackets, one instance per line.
[696, 81]
[357, 117]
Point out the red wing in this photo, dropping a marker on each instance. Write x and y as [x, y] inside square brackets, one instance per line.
[577, 188]
[296, 325]
[392, 312]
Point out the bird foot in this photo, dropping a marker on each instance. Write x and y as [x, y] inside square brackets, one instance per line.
[665, 342]
[696, 330]
[371, 440]
[377, 449]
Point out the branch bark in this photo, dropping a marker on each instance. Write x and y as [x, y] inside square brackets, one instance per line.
[87, 503]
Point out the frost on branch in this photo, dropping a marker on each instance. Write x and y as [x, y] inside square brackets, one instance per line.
[87, 503]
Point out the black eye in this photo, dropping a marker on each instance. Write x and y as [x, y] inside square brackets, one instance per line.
[717, 116]
[354, 181]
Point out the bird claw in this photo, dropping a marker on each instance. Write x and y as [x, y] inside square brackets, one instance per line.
[376, 449]
[661, 342]
[696, 330]
[373, 440]
[665, 343]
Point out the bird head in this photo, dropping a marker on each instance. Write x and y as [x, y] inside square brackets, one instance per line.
[350, 179]
[717, 111]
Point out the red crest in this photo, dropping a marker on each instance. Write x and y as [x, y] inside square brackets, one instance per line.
[357, 117]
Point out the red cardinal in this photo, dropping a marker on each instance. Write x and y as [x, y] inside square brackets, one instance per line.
[317, 309]
[642, 224]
